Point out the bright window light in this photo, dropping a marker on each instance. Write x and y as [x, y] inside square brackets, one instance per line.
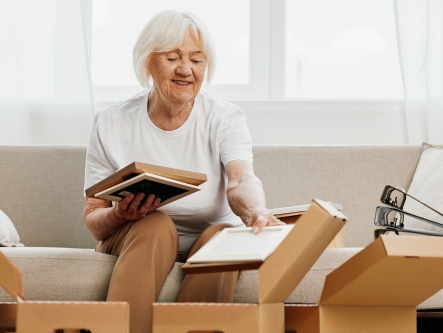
[116, 25]
[341, 49]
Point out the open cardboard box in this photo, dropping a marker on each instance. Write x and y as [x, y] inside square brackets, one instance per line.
[45, 317]
[377, 290]
[279, 275]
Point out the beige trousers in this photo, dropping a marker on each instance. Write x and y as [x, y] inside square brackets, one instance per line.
[147, 250]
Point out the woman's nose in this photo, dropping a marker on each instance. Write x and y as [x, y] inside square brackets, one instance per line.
[184, 68]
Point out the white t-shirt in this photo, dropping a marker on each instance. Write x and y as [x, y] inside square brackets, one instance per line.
[214, 134]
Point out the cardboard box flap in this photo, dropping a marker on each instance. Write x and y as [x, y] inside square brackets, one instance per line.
[281, 273]
[11, 278]
[391, 271]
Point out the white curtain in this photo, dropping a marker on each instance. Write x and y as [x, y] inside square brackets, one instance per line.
[45, 81]
[420, 44]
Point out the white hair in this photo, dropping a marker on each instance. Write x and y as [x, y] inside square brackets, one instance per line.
[164, 33]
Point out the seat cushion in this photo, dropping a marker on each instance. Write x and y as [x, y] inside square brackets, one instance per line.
[61, 274]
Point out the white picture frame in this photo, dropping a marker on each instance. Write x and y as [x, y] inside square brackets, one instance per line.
[299, 209]
[233, 245]
[106, 194]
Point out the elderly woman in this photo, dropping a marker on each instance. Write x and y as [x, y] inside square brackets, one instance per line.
[172, 124]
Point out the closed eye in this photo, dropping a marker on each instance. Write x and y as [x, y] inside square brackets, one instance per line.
[172, 59]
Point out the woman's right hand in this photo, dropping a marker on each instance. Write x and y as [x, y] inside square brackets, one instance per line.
[128, 208]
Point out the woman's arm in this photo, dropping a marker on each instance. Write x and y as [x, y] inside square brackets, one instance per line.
[101, 219]
[246, 196]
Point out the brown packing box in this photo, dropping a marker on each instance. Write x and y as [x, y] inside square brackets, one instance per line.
[45, 317]
[188, 177]
[278, 277]
[377, 290]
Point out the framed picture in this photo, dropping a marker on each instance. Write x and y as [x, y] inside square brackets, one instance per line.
[167, 189]
[297, 210]
[232, 245]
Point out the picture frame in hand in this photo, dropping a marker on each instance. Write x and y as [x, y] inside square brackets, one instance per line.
[167, 189]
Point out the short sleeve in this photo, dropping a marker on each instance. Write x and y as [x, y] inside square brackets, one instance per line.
[234, 139]
[98, 165]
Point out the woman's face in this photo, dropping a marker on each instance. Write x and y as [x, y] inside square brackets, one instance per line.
[179, 74]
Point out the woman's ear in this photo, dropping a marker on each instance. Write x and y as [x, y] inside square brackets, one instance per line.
[152, 65]
[149, 66]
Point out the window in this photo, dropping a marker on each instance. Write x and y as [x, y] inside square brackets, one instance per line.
[267, 49]
[341, 49]
[117, 24]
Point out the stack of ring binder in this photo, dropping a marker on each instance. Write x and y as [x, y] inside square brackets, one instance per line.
[392, 218]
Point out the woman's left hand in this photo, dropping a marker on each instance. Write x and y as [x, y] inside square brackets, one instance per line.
[262, 217]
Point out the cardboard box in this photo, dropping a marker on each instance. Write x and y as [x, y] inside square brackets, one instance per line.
[377, 290]
[44, 317]
[279, 275]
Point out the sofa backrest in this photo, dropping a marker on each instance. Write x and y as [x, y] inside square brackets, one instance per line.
[41, 187]
[41, 190]
[348, 175]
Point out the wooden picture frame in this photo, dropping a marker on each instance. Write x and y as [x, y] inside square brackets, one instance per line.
[106, 194]
[188, 177]
[233, 245]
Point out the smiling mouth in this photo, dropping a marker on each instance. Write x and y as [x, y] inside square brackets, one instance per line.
[181, 83]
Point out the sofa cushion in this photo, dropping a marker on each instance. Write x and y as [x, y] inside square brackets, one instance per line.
[427, 187]
[353, 177]
[60, 274]
[42, 192]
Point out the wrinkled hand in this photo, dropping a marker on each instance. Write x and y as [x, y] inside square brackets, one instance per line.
[260, 218]
[128, 208]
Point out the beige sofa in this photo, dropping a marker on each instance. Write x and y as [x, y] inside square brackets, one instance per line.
[41, 190]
